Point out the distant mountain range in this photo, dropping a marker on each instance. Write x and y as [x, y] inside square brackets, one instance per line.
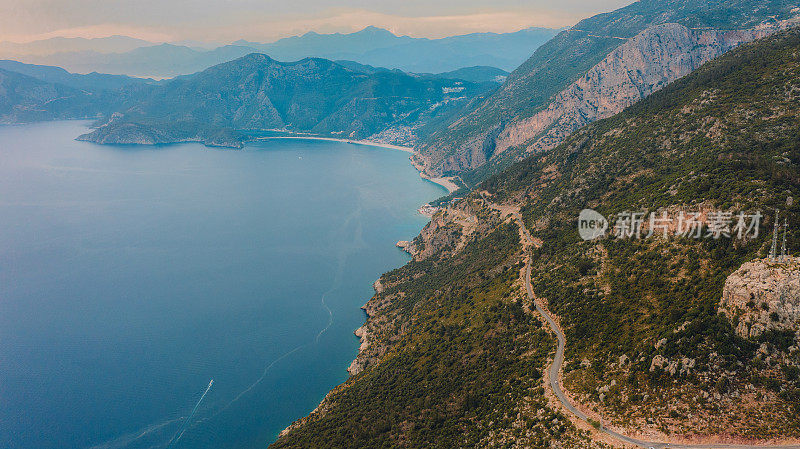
[379, 47]
[371, 46]
[92, 82]
[111, 44]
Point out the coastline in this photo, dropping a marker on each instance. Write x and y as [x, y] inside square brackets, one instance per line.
[336, 139]
[362, 333]
[445, 182]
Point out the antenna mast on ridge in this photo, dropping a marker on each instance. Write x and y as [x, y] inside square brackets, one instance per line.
[783, 245]
[774, 249]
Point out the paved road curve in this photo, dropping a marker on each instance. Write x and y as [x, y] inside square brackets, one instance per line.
[558, 362]
[555, 369]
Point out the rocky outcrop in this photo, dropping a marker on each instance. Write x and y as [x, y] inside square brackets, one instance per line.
[762, 295]
[371, 348]
[405, 245]
[448, 231]
[359, 363]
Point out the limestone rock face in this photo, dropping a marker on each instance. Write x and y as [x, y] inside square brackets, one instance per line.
[761, 296]
[642, 65]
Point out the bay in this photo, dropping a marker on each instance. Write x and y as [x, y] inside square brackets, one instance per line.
[130, 277]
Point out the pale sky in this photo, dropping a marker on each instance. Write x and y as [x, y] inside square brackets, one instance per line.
[267, 20]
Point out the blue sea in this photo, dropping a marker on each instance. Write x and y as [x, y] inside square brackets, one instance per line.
[131, 277]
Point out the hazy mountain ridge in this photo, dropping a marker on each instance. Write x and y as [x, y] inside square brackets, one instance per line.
[469, 141]
[371, 46]
[161, 61]
[111, 44]
[24, 99]
[258, 93]
[92, 82]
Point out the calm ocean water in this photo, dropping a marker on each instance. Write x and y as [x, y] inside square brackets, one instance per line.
[130, 277]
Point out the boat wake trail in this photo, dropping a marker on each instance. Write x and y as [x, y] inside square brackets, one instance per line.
[180, 431]
[353, 221]
[128, 439]
[258, 381]
[341, 262]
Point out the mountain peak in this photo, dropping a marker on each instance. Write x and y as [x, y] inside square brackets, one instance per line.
[375, 31]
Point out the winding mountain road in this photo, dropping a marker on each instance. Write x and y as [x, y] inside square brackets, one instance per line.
[555, 385]
[558, 361]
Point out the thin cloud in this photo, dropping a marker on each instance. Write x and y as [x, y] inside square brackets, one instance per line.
[95, 31]
[267, 28]
[266, 20]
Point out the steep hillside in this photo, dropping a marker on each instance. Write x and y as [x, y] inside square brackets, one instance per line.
[648, 354]
[25, 99]
[476, 74]
[160, 61]
[461, 361]
[257, 93]
[92, 82]
[544, 98]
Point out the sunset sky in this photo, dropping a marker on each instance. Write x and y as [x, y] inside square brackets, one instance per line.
[266, 20]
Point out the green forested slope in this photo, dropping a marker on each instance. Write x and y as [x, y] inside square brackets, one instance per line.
[256, 92]
[464, 360]
[463, 368]
[25, 99]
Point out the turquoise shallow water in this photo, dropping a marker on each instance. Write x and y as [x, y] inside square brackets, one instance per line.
[132, 276]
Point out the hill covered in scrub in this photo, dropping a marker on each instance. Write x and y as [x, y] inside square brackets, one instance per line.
[454, 354]
[24, 99]
[256, 92]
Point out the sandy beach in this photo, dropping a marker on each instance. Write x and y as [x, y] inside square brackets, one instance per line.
[445, 182]
[335, 139]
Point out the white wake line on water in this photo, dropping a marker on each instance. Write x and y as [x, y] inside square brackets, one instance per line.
[182, 429]
[125, 440]
[330, 317]
[358, 242]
